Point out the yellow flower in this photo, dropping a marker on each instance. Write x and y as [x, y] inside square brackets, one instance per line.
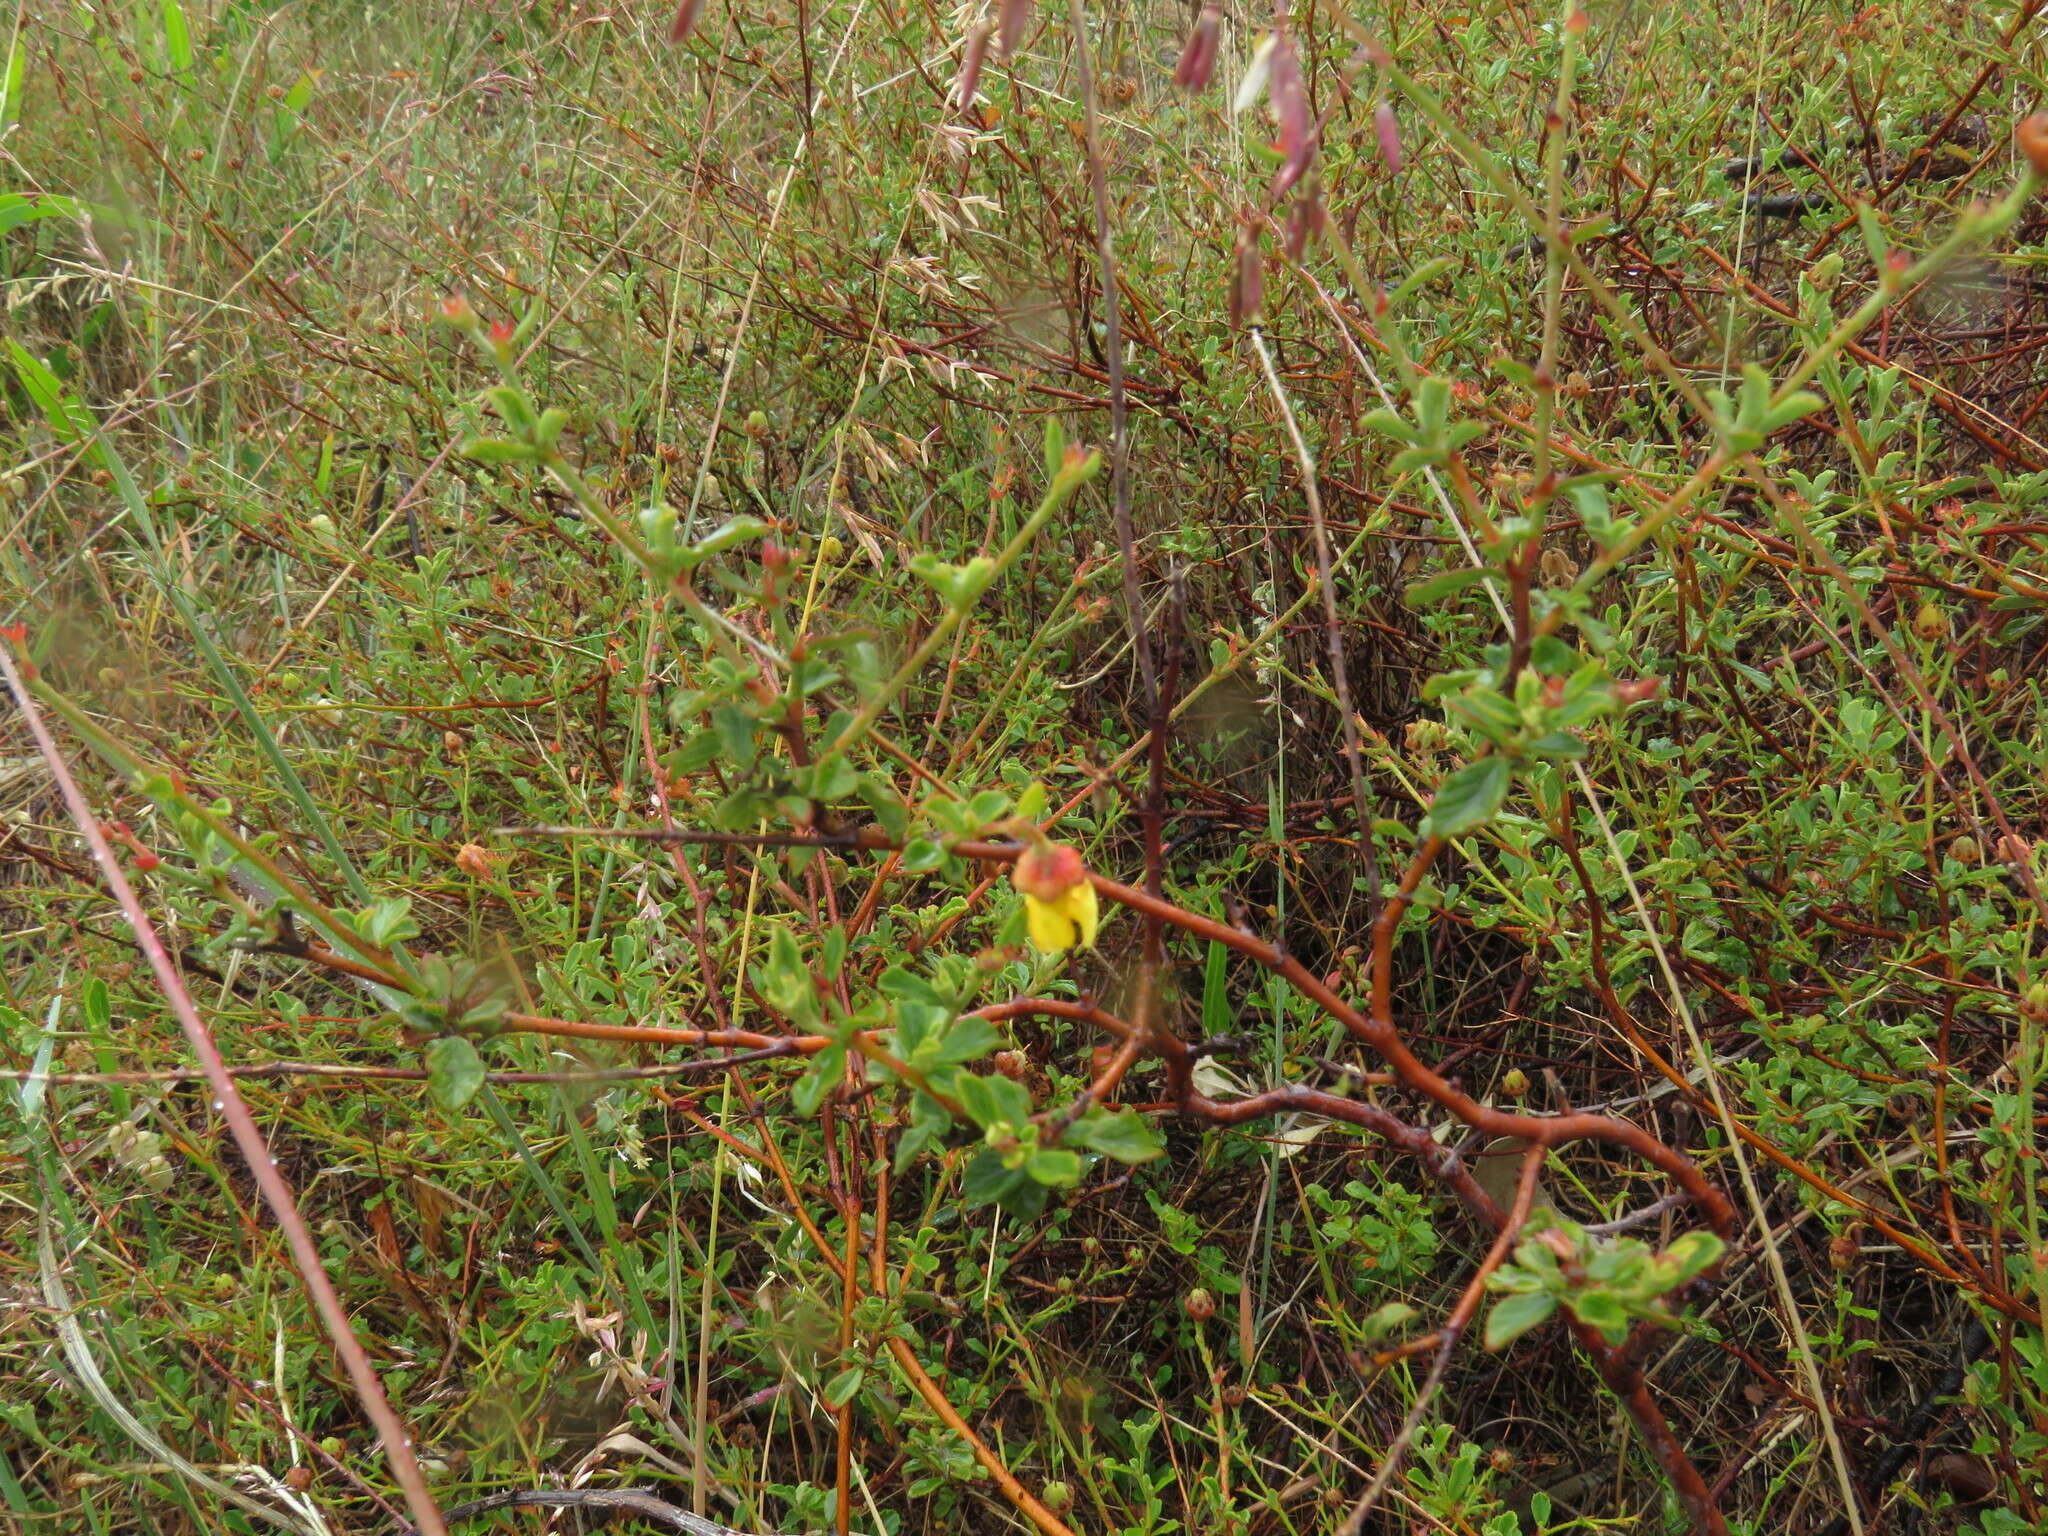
[1054, 924]
[1059, 902]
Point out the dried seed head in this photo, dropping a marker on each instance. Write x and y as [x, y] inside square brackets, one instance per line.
[1557, 569]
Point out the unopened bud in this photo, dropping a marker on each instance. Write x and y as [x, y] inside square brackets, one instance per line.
[2031, 137]
[1514, 1084]
[1247, 282]
[1930, 622]
[1388, 131]
[1842, 1250]
[1965, 850]
[1047, 871]
[1199, 1305]
[2034, 1003]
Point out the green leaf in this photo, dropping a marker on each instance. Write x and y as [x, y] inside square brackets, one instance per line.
[1054, 1166]
[1470, 797]
[1127, 1137]
[968, 1040]
[921, 855]
[387, 921]
[1692, 1255]
[514, 409]
[1055, 447]
[177, 37]
[1428, 272]
[1513, 1316]
[99, 1012]
[1604, 1311]
[994, 1100]
[1387, 424]
[1801, 402]
[988, 1180]
[735, 727]
[840, 1389]
[1424, 593]
[1552, 655]
[1385, 1319]
[818, 1078]
[498, 450]
[1216, 1013]
[454, 1071]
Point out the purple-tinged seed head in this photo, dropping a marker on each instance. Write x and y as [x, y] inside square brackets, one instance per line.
[1388, 132]
[1198, 59]
[1011, 22]
[970, 69]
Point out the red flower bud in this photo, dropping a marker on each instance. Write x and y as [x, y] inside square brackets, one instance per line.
[1641, 690]
[1198, 59]
[1048, 871]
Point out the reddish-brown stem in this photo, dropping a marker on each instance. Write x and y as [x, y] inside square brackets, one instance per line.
[1379, 1032]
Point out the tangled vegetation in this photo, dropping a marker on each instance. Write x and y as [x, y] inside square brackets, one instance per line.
[1119, 769]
